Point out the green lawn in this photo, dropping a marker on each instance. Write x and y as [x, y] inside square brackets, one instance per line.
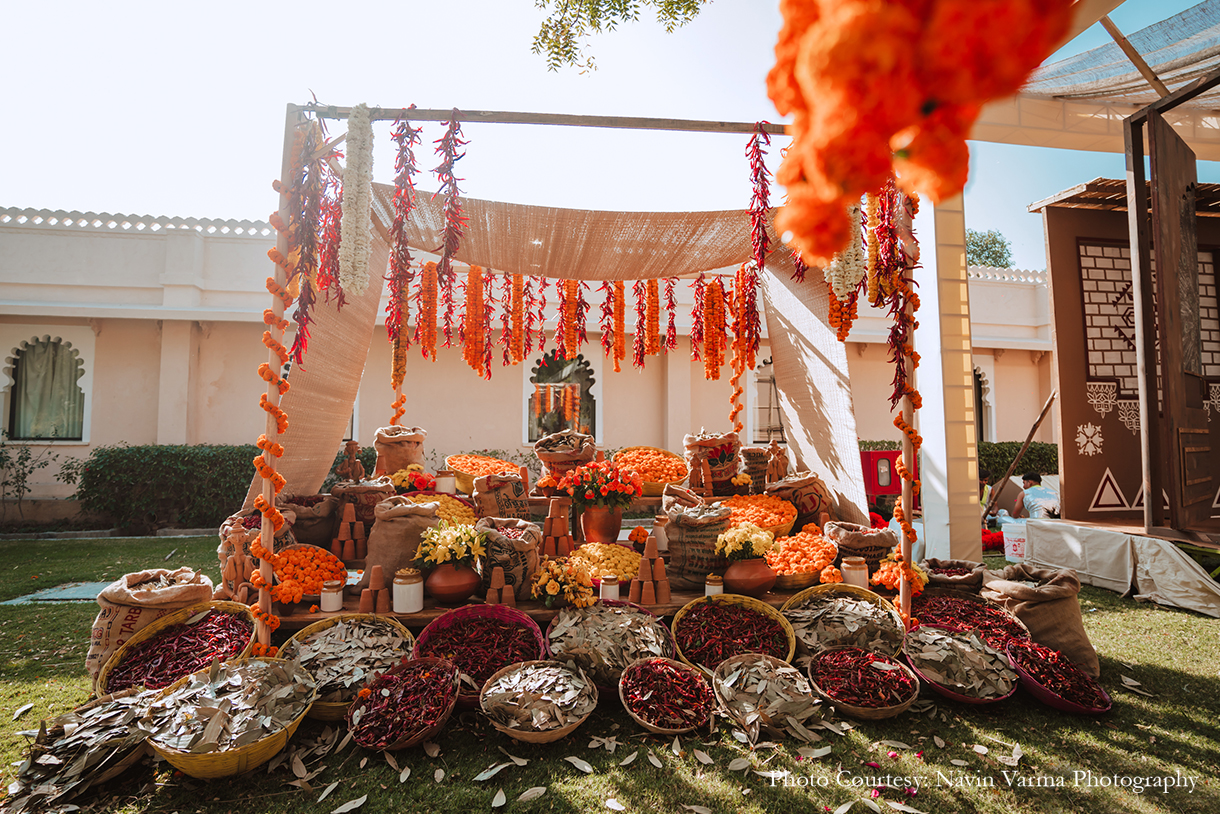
[1173, 654]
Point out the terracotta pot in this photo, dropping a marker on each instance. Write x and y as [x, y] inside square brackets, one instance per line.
[751, 577]
[601, 524]
[450, 584]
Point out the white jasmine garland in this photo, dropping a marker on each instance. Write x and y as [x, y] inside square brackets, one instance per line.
[849, 266]
[355, 229]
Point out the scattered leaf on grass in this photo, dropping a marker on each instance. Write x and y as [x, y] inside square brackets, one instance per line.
[959, 763]
[389, 758]
[627, 761]
[980, 748]
[895, 744]
[843, 809]
[298, 766]
[901, 807]
[870, 805]
[22, 711]
[653, 759]
[432, 749]
[809, 753]
[531, 794]
[615, 805]
[404, 774]
[491, 771]
[520, 761]
[499, 800]
[329, 789]
[741, 736]
[438, 775]
[364, 762]
[677, 747]
[703, 757]
[738, 764]
[940, 744]
[1131, 682]
[580, 764]
[698, 809]
[350, 805]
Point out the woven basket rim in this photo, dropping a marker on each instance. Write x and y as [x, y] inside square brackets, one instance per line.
[451, 617]
[1051, 698]
[533, 735]
[680, 665]
[669, 636]
[173, 618]
[864, 713]
[735, 599]
[666, 452]
[949, 692]
[728, 664]
[324, 710]
[422, 735]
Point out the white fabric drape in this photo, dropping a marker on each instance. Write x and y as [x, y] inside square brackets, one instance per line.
[48, 401]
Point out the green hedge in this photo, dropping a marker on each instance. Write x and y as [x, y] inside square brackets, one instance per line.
[995, 456]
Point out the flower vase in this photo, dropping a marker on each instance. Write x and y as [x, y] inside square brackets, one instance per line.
[601, 524]
[450, 584]
[749, 577]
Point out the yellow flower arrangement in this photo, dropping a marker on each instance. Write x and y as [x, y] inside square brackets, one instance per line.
[741, 479]
[446, 542]
[744, 542]
[563, 579]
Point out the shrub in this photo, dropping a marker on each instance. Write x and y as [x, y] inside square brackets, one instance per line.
[996, 456]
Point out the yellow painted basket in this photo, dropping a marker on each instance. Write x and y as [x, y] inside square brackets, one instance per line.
[465, 480]
[337, 710]
[654, 488]
[731, 599]
[169, 620]
[213, 765]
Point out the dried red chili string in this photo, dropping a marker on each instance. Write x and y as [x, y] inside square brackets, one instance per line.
[400, 274]
[697, 316]
[543, 282]
[760, 210]
[506, 318]
[582, 314]
[449, 149]
[671, 309]
[605, 320]
[528, 315]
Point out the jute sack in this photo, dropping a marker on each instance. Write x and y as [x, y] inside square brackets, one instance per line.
[1050, 609]
[315, 519]
[518, 556]
[561, 452]
[691, 533]
[970, 583]
[755, 461]
[716, 457]
[127, 607]
[365, 496]
[501, 496]
[808, 493]
[397, 448]
[399, 527]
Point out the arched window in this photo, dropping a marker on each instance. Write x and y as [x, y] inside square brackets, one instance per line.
[563, 396]
[46, 401]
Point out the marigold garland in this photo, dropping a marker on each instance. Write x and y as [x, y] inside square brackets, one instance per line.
[518, 309]
[278, 290]
[474, 331]
[275, 347]
[620, 324]
[713, 329]
[271, 377]
[425, 326]
[569, 299]
[270, 512]
[398, 405]
[269, 619]
[281, 418]
[267, 445]
[279, 323]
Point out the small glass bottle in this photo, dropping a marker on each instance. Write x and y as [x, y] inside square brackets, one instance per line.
[446, 482]
[714, 585]
[855, 571]
[332, 596]
[609, 587]
[408, 591]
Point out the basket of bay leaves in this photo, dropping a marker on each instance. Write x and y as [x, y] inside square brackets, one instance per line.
[862, 684]
[80, 749]
[759, 691]
[343, 652]
[607, 636]
[960, 665]
[841, 614]
[539, 701]
[406, 705]
[229, 718]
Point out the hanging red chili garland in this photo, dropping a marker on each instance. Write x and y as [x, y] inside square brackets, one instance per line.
[582, 314]
[696, 317]
[671, 307]
[449, 146]
[605, 321]
[506, 318]
[640, 347]
[313, 191]
[401, 275]
[760, 211]
[543, 282]
[799, 269]
[528, 312]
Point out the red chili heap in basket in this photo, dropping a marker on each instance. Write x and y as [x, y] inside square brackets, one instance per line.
[712, 631]
[995, 626]
[851, 675]
[481, 646]
[667, 697]
[402, 703]
[952, 571]
[179, 651]
[308, 501]
[1055, 672]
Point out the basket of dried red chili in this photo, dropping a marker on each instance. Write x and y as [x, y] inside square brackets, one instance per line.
[862, 684]
[406, 705]
[177, 645]
[958, 610]
[480, 640]
[664, 696]
[1056, 681]
[711, 628]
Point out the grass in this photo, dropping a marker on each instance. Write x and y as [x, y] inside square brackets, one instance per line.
[1173, 654]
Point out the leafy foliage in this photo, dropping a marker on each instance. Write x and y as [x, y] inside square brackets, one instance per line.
[995, 456]
[988, 248]
[18, 461]
[569, 22]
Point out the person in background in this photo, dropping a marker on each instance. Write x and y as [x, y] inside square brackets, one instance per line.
[1036, 501]
[984, 487]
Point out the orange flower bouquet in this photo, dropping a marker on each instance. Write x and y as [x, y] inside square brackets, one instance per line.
[601, 483]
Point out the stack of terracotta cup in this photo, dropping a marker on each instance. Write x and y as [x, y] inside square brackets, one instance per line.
[376, 597]
[651, 585]
[556, 530]
[499, 593]
[350, 543]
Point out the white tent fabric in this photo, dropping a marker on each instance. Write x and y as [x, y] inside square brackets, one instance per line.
[1099, 556]
[1166, 575]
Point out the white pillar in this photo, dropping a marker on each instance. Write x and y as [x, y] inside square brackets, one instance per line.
[677, 394]
[949, 460]
[174, 382]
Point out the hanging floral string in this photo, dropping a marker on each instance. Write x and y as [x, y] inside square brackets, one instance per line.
[740, 352]
[844, 275]
[448, 149]
[474, 328]
[671, 308]
[568, 307]
[489, 307]
[640, 347]
[713, 329]
[400, 276]
[620, 324]
[872, 220]
[696, 317]
[518, 348]
[356, 229]
[425, 324]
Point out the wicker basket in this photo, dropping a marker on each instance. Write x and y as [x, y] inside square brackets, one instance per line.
[213, 765]
[465, 480]
[871, 554]
[337, 710]
[796, 582]
[658, 730]
[667, 649]
[954, 695]
[797, 602]
[503, 613]
[424, 734]
[864, 713]
[978, 600]
[169, 620]
[52, 732]
[731, 599]
[728, 665]
[655, 488]
[531, 736]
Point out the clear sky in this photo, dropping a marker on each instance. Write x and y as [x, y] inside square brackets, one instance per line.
[146, 108]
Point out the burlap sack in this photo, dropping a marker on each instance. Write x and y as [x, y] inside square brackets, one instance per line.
[236, 562]
[861, 541]
[518, 556]
[501, 496]
[807, 492]
[364, 495]
[1050, 609]
[691, 534]
[717, 456]
[128, 608]
[397, 448]
[754, 460]
[560, 452]
[316, 519]
[395, 537]
[971, 583]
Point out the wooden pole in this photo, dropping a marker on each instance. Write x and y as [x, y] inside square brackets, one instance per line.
[1012, 467]
[908, 491]
[1133, 55]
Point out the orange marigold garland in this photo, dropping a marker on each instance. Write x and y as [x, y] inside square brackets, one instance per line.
[398, 405]
[713, 329]
[620, 324]
[518, 309]
[473, 333]
[425, 325]
[569, 306]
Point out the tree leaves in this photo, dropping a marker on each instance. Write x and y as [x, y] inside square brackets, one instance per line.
[499, 800]
[580, 764]
[531, 794]
[351, 805]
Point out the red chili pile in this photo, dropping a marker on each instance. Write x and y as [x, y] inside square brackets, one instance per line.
[1055, 672]
[179, 651]
[997, 627]
[481, 646]
[403, 702]
[666, 696]
[862, 678]
[952, 571]
[308, 501]
[711, 632]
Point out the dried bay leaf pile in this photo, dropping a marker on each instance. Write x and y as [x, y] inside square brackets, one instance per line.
[345, 655]
[831, 620]
[538, 696]
[230, 706]
[760, 692]
[603, 639]
[961, 662]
